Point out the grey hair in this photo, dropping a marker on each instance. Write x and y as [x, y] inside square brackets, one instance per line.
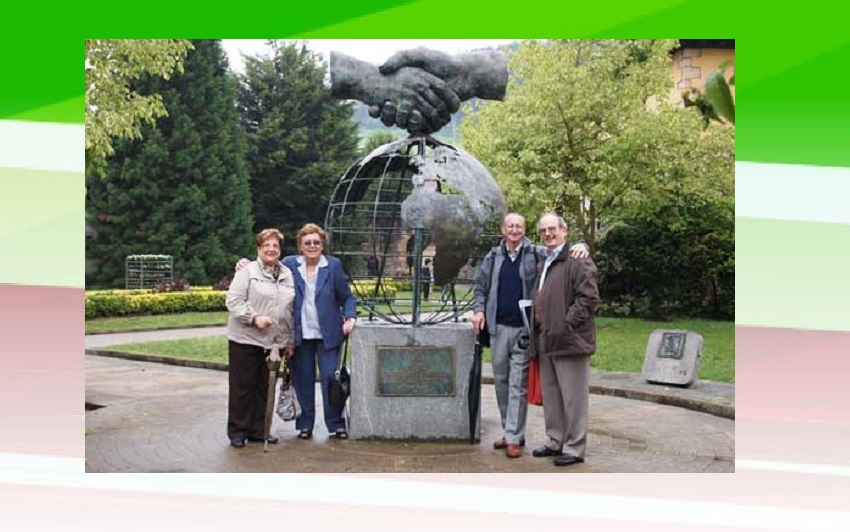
[561, 223]
[505, 217]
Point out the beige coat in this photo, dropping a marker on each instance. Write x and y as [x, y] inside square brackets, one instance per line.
[253, 293]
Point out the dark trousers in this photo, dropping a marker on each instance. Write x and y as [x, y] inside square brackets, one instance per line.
[248, 390]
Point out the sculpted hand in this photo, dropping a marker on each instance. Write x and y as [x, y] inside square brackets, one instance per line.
[410, 97]
[482, 74]
[406, 118]
[438, 63]
[414, 99]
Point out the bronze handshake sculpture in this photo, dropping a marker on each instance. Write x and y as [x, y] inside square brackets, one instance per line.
[419, 89]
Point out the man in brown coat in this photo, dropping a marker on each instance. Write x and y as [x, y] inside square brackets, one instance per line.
[564, 338]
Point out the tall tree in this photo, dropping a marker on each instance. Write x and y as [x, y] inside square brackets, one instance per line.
[300, 140]
[586, 131]
[183, 189]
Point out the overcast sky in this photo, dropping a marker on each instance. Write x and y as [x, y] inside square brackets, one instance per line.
[371, 50]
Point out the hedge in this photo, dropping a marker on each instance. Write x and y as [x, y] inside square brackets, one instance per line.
[130, 302]
[109, 303]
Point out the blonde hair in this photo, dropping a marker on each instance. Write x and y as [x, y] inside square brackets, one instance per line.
[310, 229]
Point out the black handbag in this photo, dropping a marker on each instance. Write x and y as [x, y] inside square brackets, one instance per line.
[484, 335]
[340, 386]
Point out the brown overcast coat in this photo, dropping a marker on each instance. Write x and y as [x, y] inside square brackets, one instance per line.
[564, 309]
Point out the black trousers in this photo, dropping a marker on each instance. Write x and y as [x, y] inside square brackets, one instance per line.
[248, 390]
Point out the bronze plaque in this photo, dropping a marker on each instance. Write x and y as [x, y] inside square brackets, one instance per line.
[416, 371]
[672, 345]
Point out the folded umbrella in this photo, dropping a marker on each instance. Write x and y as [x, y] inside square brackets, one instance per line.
[535, 397]
[474, 392]
[273, 363]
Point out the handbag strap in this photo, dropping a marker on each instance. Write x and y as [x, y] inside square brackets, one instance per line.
[286, 370]
[344, 356]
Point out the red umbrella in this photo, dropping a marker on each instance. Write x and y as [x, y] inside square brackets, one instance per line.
[535, 396]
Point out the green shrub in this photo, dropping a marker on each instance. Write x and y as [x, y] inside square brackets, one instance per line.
[365, 289]
[404, 286]
[133, 302]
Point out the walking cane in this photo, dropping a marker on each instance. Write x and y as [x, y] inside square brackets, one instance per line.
[273, 363]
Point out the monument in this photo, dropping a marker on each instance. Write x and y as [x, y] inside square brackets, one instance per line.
[672, 357]
[411, 200]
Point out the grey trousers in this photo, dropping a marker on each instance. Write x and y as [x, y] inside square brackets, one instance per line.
[510, 376]
[565, 384]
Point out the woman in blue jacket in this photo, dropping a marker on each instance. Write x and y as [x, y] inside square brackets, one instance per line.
[325, 312]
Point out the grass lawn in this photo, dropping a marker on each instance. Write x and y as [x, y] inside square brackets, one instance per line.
[404, 302]
[164, 321]
[621, 344]
[208, 348]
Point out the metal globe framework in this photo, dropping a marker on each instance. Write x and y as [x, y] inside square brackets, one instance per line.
[405, 204]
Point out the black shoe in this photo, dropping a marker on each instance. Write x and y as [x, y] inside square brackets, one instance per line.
[238, 442]
[545, 451]
[271, 439]
[567, 459]
[305, 434]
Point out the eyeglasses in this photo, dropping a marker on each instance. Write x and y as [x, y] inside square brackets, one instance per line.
[311, 243]
[270, 246]
[545, 230]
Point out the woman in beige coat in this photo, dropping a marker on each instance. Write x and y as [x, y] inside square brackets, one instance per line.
[260, 301]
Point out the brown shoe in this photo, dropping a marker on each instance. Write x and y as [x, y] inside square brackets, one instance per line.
[513, 451]
[502, 444]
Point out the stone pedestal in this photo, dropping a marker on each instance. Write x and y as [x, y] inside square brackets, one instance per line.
[672, 357]
[411, 383]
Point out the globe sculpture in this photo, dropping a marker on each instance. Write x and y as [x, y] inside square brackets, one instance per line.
[409, 220]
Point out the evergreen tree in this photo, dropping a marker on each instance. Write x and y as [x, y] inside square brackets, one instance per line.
[300, 140]
[184, 189]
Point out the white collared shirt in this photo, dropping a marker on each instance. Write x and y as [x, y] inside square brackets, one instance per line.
[515, 253]
[310, 327]
[550, 257]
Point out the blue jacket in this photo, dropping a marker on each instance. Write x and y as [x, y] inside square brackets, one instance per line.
[332, 293]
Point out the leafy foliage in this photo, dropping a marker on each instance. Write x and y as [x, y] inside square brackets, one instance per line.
[126, 303]
[183, 189]
[300, 140]
[585, 131]
[223, 283]
[172, 285]
[114, 108]
[378, 139]
[677, 258]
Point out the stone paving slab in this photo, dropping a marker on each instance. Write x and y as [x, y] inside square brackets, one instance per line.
[163, 418]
